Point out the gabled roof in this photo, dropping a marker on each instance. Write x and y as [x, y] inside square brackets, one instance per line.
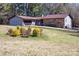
[28, 17]
[53, 16]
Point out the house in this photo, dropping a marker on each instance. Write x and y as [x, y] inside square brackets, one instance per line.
[55, 20]
[58, 20]
[24, 20]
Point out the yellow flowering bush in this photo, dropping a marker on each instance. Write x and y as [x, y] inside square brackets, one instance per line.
[14, 32]
[22, 31]
[37, 31]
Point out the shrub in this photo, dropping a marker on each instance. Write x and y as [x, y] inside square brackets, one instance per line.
[17, 32]
[18, 27]
[22, 30]
[14, 32]
[29, 30]
[37, 31]
[9, 31]
[25, 33]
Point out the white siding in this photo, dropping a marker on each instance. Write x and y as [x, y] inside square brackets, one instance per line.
[68, 22]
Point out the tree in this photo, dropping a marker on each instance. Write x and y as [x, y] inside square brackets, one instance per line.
[35, 9]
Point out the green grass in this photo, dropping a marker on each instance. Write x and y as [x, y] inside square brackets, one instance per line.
[62, 36]
[53, 35]
[51, 42]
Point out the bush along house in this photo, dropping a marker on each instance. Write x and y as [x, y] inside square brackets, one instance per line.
[54, 20]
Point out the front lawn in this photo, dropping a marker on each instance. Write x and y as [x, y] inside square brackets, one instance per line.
[52, 42]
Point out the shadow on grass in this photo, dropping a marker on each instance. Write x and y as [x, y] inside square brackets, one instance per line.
[76, 35]
[71, 33]
[42, 37]
[31, 37]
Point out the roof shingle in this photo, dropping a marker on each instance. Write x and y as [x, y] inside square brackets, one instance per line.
[54, 16]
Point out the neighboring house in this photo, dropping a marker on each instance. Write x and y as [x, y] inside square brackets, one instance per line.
[55, 20]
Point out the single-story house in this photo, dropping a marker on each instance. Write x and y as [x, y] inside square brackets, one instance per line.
[56, 20]
[24, 20]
